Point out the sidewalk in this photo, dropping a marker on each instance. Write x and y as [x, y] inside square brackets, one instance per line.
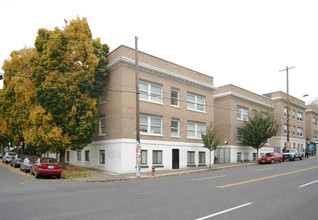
[100, 176]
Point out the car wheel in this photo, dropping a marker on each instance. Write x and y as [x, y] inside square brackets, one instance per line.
[31, 172]
[58, 177]
[280, 160]
[273, 161]
[302, 157]
[36, 174]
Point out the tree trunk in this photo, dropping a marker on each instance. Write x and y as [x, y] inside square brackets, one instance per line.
[22, 148]
[62, 159]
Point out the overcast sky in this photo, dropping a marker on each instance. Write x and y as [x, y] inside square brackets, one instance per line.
[240, 42]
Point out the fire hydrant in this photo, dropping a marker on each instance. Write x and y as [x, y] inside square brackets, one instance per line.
[153, 170]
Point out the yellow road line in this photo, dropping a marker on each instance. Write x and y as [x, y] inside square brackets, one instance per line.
[264, 178]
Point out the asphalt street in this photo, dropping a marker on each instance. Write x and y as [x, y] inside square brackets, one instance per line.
[276, 191]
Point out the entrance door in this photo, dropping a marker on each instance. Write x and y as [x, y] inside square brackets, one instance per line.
[175, 158]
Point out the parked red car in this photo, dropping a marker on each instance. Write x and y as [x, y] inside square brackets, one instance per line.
[271, 157]
[46, 166]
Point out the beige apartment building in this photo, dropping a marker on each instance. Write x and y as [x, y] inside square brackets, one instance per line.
[233, 105]
[176, 105]
[297, 121]
[312, 128]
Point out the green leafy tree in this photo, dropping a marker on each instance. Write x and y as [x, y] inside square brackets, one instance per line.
[68, 72]
[258, 129]
[210, 139]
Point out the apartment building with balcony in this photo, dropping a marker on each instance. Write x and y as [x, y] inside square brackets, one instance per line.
[312, 128]
[297, 121]
[233, 105]
[176, 105]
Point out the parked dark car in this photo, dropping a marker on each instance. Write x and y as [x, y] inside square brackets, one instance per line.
[46, 166]
[27, 163]
[6, 158]
[17, 159]
[271, 157]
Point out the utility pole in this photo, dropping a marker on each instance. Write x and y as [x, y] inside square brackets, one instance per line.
[287, 99]
[138, 151]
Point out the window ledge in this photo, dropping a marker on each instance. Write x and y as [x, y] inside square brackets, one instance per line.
[101, 135]
[144, 100]
[156, 135]
[191, 165]
[194, 138]
[175, 106]
[194, 110]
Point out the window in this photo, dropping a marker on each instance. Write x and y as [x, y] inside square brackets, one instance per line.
[87, 155]
[285, 112]
[102, 157]
[175, 128]
[102, 98]
[314, 121]
[102, 126]
[300, 132]
[294, 130]
[79, 155]
[201, 157]
[239, 156]
[67, 156]
[195, 130]
[150, 92]
[238, 135]
[294, 114]
[157, 157]
[143, 157]
[174, 97]
[150, 125]
[299, 116]
[241, 113]
[195, 102]
[190, 157]
[315, 135]
[285, 129]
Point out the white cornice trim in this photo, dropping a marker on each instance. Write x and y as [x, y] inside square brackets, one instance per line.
[233, 94]
[160, 72]
[291, 102]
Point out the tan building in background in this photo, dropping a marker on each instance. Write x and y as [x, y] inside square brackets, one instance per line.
[312, 128]
[233, 105]
[297, 121]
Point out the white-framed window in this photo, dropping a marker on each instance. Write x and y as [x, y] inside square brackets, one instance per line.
[150, 125]
[191, 159]
[79, 155]
[285, 129]
[87, 155]
[238, 135]
[195, 130]
[157, 157]
[314, 121]
[102, 126]
[102, 157]
[175, 128]
[150, 92]
[195, 102]
[201, 157]
[175, 96]
[300, 132]
[315, 135]
[144, 157]
[241, 113]
[239, 156]
[102, 98]
[299, 116]
[285, 112]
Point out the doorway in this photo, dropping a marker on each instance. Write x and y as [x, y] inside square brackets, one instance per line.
[175, 158]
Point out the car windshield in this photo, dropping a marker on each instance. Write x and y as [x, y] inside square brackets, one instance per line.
[268, 155]
[48, 160]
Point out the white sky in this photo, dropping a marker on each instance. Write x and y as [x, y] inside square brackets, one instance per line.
[240, 42]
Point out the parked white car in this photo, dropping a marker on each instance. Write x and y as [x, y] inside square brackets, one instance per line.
[8, 157]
